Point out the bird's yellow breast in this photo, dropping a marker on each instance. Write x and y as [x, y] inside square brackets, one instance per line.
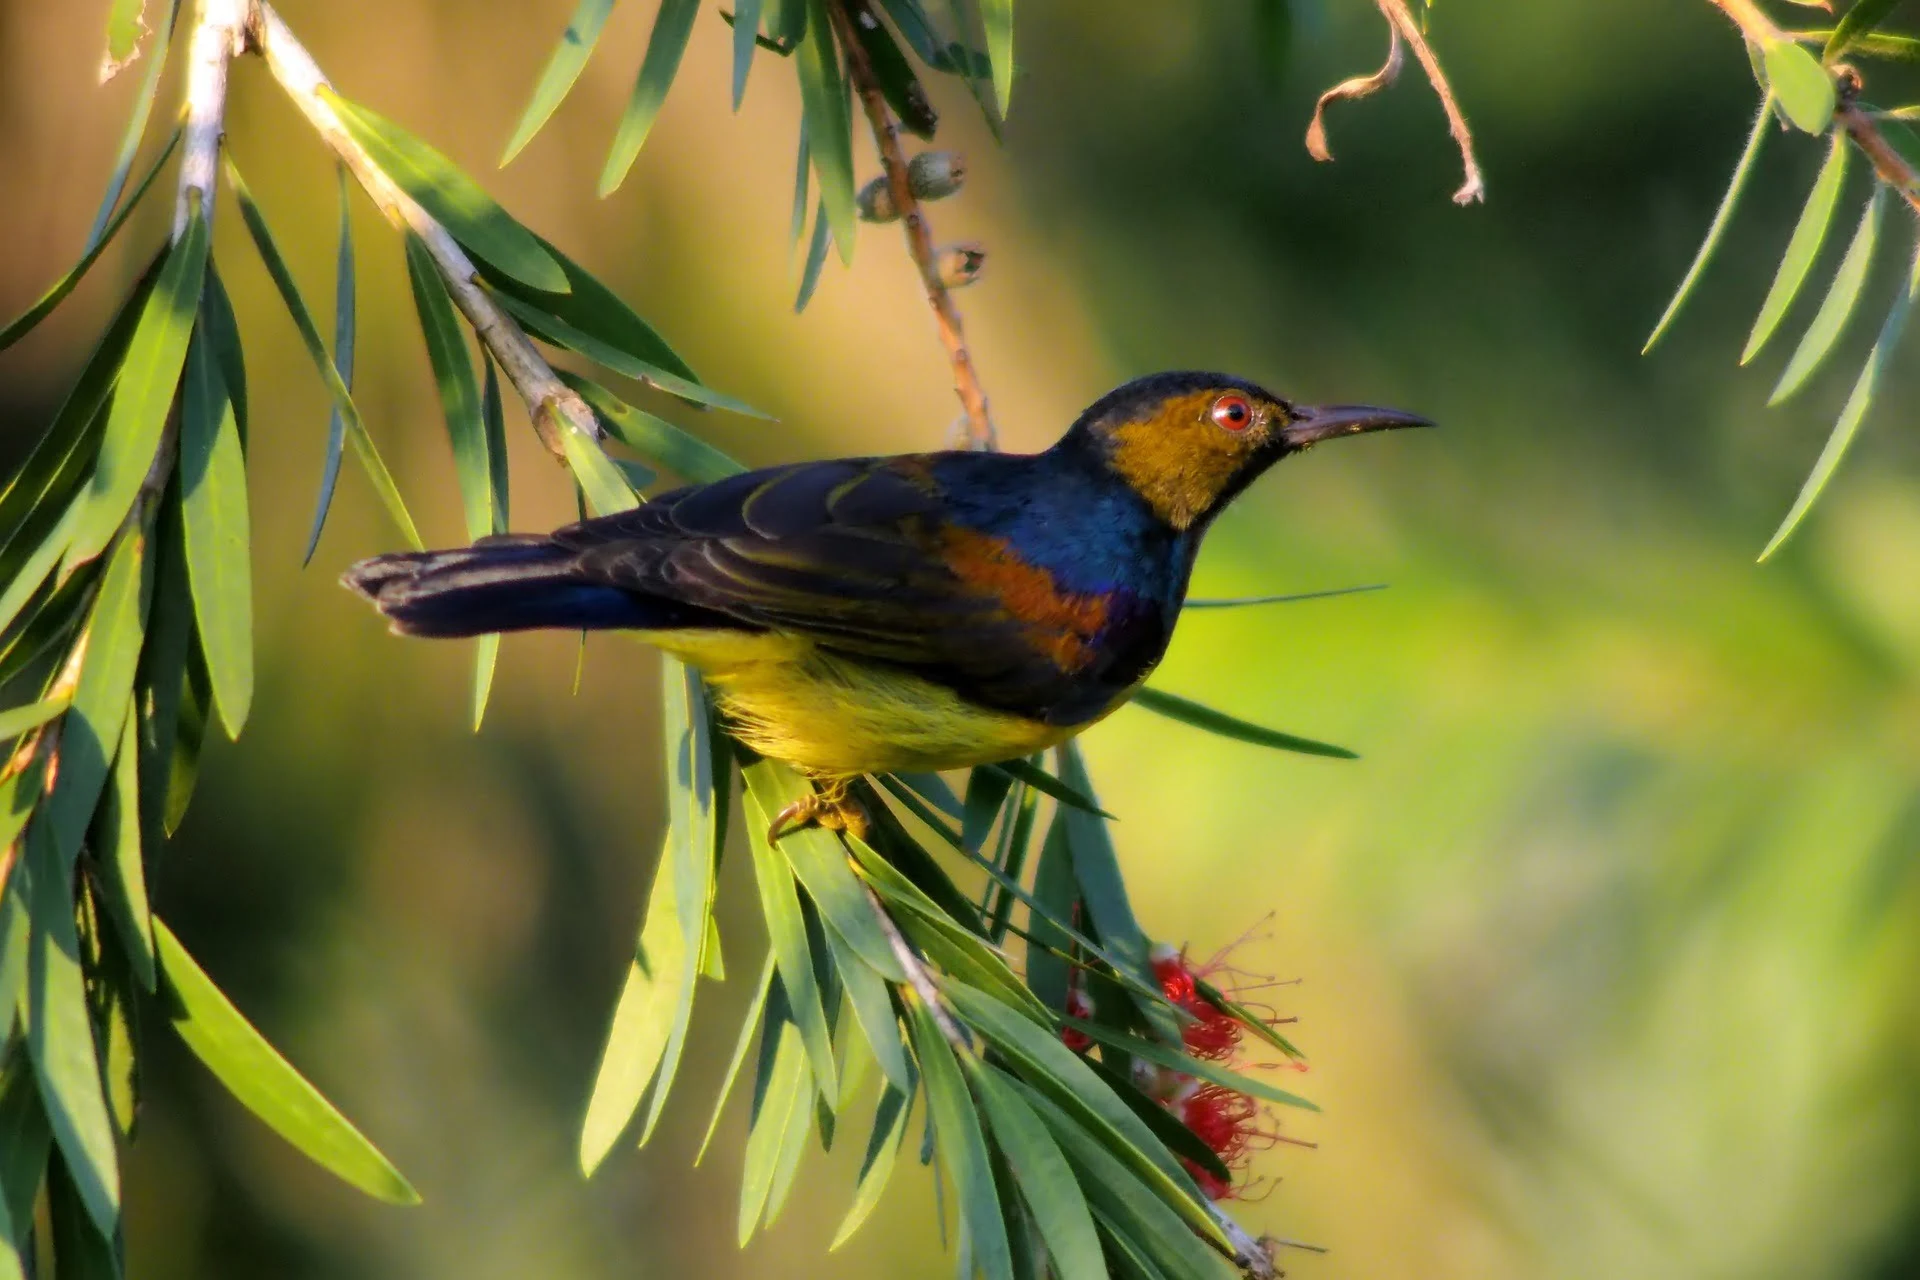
[833, 716]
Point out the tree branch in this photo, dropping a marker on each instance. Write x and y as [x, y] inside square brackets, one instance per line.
[219, 33]
[886, 138]
[1753, 24]
[1397, 15]
[553, 406]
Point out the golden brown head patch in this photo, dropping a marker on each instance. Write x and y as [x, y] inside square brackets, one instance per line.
[1181, 460]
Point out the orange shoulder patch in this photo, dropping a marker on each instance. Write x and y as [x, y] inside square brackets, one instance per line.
[1061, 624]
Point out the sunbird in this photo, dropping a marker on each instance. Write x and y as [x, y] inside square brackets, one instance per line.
[923, 611]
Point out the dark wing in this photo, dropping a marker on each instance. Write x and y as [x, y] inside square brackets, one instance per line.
[857, 555]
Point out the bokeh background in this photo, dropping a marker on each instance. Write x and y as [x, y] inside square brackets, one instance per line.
[1608, 950]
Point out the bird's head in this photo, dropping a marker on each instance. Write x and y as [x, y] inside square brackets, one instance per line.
[1188, 443]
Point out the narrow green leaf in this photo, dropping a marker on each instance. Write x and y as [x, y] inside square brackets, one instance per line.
[1038, 1055]
[820, 861]
[1241, 602]
[962, 1147]
[671, 27]
[597, 311]
[791, 1142]
[459, 390]
[642, 1020]
[1180, 1140]
[1247, 1018]
[17, 720]
[930, 787]
[1852, 413]
[1046, 1182]
[25, 1141]
[1104, 890]
[143, 396]
[816, 260]
[823, 96]
[1858, 21]
[1045, 783]
[455, 200]
[196, 698]
[1808, 235]
[1838, 305]
[907, 869]
[883, 1148]
[123, 877]
[222, 331]
[264, 1082]
[1164, 1056]
[493, 415]
[746, 25]
[784, 1088]
[345, 308]
[161, 681]
[1056, 891]
[967, 956]
[547, 327]
[872, 1004]
[363, 445]
[692, 824]
[60, 1035]
[986, 793]
[97, 243]
[213, 486]
[802, 179]
[1893, 48]
[576, 46]
[91, 730]
[786, 928]
[1192, 713]
[1804, 87]
[898, 84]
[1129, 1259]
[748, 1027]
[82, 1250]
[660, 441]
[136, 121]
[1736, 186]
[996, 17]
[1135, 1203]
[603, 483]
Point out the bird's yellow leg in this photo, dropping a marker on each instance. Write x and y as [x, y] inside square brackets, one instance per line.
[828, 805]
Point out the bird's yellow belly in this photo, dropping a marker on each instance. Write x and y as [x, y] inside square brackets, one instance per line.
[832, 716]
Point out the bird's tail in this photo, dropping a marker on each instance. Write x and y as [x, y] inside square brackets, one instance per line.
[507, 583]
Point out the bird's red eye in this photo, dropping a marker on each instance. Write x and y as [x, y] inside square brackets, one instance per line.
[1232, 412]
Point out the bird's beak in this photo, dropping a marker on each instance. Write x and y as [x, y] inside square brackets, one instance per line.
[1313, 423]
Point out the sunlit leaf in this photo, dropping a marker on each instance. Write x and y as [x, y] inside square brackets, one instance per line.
[784, 1086]
[363, 445]
[786, 929]
[117, 851]
[876, 1168]
[459, 390]
[1046, 1182]
[91, 730]
[600, 480]
[642, 1021]
[143, 395]
[1241, 602]
[1040, 780]
[576, 46]
[17, 720]
[816, 259]
[137, 119]
[1804, 87]
[1174, 1060]
[1858, 21]
[264, 1082]
[455, 200]
[671, 27]
[1838, 305]
[996, 17]
[213, 487]
[126, 23]
[161, 681]
[1203, 717]
[802, 180]
[1852, 413]
[1808, 235]
[60, 1036]
[653, 437]
[748, 1028]
[344, 321]
[746, 26]
[823, 97]
[872, 1005]
[962, 1147]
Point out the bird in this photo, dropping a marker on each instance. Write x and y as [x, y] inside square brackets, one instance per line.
[920, 611]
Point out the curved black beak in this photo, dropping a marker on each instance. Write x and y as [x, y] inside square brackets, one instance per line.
[1313, 423]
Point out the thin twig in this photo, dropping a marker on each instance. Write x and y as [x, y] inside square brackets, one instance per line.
[886, 137]
[1888, 163]
[219, 34]
[1396, 13]
[917, 976]
[551, 404]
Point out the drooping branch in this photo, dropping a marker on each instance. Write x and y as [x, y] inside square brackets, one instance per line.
[886, 138]
[551, 404]
[1474, 187]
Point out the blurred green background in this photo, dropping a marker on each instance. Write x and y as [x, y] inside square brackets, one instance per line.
[1609, 948]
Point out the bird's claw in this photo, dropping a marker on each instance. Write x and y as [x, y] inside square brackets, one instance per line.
[830, 809]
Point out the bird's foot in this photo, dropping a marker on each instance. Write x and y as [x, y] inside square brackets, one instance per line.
[830, 808]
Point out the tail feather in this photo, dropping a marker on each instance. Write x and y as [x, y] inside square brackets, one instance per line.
[506, 583]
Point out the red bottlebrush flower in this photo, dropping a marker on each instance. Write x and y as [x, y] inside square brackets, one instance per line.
[1079, 1005]
[1228, 1123]
[1214, 1033]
